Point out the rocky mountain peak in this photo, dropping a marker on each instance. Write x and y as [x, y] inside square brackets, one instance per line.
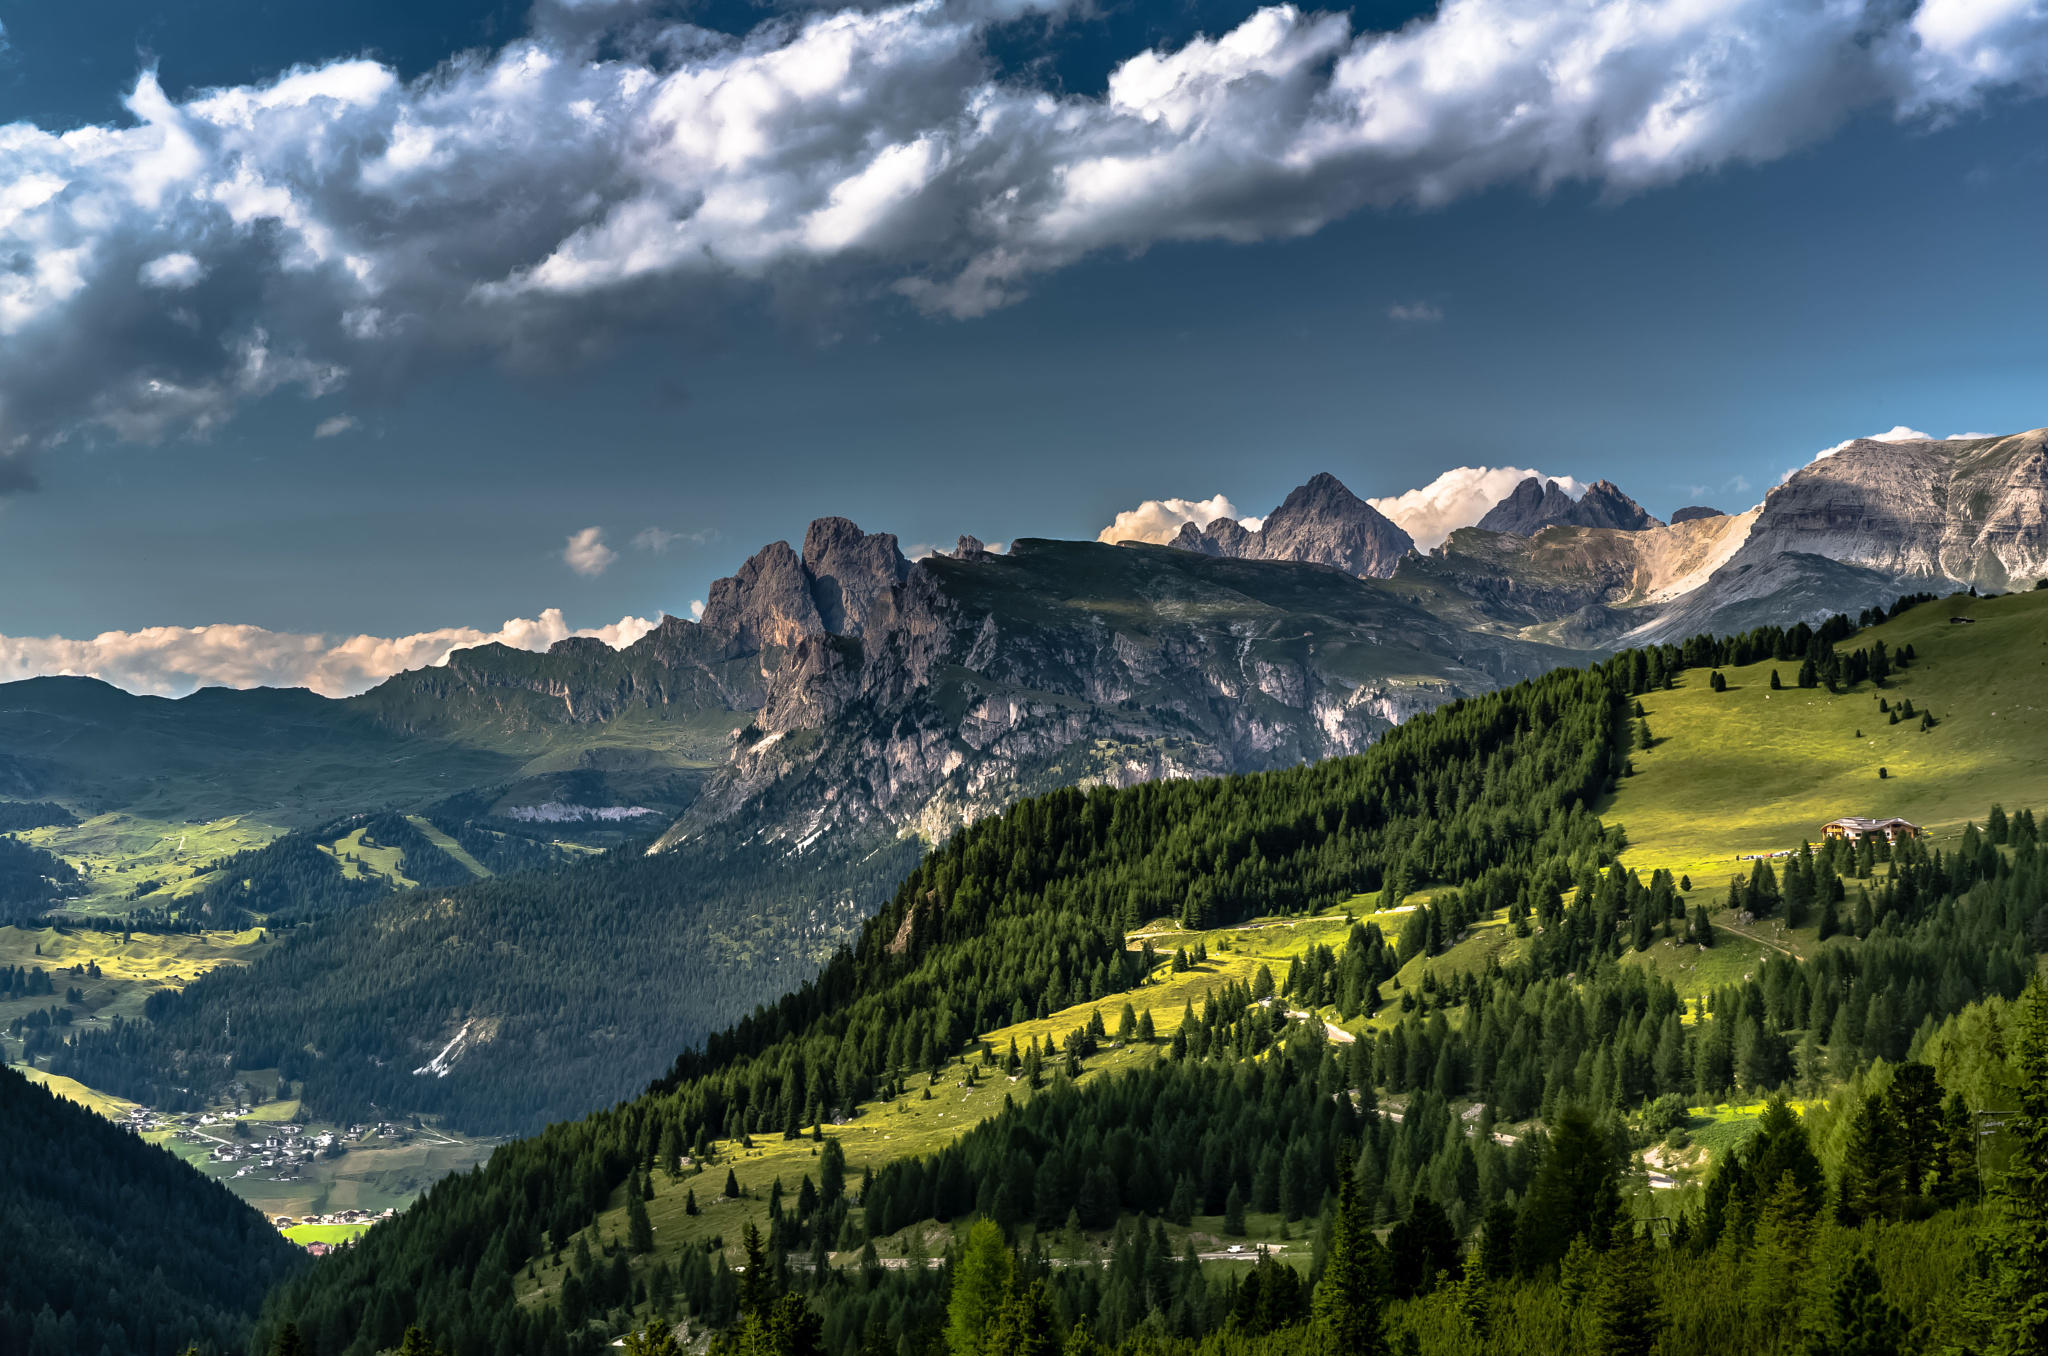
[1321, 523]
[1693, 511]
[1534, 505]
[852, 572]
[1325, 523]
[767, 602]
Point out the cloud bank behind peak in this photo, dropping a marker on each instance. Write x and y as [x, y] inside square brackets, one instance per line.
[172, 661]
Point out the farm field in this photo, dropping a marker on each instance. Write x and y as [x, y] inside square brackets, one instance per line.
[1751, 770]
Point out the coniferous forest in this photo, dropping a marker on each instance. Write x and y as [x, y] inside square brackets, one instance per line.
[1433, 1230]
[108, 1244]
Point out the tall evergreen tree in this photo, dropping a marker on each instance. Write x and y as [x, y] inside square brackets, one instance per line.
[2020, 1277]
[1347, 1303]
[1627, 1316]
[1858, 1320]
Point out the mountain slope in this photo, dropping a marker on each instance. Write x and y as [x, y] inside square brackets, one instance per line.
[1071, 662]
[110, 1244]
[1018, 913]
[1247, 1108]
[1697, 799]
[975, 682]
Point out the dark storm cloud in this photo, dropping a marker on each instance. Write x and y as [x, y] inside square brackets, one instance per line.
[339, 225]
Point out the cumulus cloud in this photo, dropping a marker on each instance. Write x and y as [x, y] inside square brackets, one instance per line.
[335, 426]
[658, 540]
[339, 222]
[1415, 312]
[172, 272]
[587, 554]
[1159, 520]
[1459, 498]
[170, 661]
[696, 609]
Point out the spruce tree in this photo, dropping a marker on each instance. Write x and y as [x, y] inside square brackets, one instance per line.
[639, 1232]
[2020, 1252]
[1347, 1303]
[982, 1280]
[1858, 1320]
[1627, 1316]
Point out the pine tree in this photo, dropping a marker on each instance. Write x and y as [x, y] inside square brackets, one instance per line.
[1475, 1296]
[1870, 1182]
[1233, 1212]
[639, 1231]
[1956, 1170]
[2020, 1276]
[982, 1280]
[1347, 1302]
[1858, 1319]
[1627, 1316]
[1914, 1102]
[732, 1185]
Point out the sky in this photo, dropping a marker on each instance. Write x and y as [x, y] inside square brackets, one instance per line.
[332, 336]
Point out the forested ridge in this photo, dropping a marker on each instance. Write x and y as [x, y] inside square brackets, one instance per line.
[1013, 916]
[1247, 1107]
[108, 1244]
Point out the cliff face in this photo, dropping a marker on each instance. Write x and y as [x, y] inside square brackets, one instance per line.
[1320, 523]
[1068, 663]
[1965, 512]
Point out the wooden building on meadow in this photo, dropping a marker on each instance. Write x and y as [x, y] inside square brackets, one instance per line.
[1856, 828]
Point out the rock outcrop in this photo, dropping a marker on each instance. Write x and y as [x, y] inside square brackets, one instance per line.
[1972, 512]
[1532, 506]
[1694, 511]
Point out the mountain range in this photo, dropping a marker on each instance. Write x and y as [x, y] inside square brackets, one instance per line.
[838, 706]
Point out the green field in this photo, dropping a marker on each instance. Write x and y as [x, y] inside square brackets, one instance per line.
[117, 853]
[113, 1108]
[1750, 770]
[303, 1234]
[129, 970]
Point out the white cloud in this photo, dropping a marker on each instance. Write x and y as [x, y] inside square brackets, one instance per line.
[171, 661]
[1415, 312]
[594, 175]
[1159, 520]
[1459, 498]
[587, 554]
[172, 272]
[696, 609]
[658, 540]
[335, 426]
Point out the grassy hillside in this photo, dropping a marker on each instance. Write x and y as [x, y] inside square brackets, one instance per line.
[1751, 770]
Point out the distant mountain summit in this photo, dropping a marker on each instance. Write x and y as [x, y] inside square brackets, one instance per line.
[1321, 523]
[1532, 506]
[1696, 511]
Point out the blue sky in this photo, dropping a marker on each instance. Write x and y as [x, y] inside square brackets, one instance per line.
[1688, 300]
